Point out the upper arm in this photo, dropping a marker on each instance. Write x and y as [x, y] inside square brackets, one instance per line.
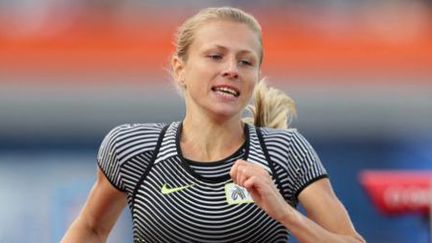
[108, 158]
[323, 207]
[103, 206]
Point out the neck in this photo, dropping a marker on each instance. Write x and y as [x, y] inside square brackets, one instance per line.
[206, 140]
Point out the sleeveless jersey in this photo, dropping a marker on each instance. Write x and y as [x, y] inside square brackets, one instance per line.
[172, 200]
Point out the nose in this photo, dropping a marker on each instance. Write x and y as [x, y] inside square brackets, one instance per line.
[231, 69]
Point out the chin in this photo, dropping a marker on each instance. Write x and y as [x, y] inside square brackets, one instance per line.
[227, 113]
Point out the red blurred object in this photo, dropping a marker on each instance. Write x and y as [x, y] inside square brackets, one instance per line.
[399, 192]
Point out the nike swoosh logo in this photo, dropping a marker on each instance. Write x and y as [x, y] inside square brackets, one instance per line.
[166, 190]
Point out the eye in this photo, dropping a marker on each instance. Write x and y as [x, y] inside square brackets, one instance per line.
[215, 57]
[245, 62]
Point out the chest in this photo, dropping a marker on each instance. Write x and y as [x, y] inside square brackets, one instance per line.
[173, 205]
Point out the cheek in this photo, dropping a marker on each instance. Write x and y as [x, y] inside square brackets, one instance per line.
[249, 90]
[253, 81]
[198, 74]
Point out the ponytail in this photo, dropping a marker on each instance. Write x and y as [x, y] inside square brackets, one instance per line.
[272, 108]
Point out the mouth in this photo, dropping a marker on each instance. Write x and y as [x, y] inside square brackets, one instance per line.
[226, 90]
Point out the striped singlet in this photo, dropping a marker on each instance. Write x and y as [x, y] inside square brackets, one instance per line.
[173, 199]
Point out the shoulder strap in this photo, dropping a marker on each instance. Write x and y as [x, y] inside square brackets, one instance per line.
[153, 158]
[270, 162]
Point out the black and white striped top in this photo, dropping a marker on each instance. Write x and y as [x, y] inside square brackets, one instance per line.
[173, 199]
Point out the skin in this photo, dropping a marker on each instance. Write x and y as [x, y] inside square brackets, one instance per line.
[99, 214]
[223, 54]
[326, 221]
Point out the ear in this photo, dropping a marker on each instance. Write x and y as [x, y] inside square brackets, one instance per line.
[178, 67]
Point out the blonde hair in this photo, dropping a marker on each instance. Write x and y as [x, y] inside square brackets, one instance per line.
[272, 108]
[186, 32]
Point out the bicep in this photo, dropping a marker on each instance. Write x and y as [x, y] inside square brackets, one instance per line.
[103, 206]
[323, 207]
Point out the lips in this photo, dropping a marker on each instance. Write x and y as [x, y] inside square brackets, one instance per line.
[226, 90]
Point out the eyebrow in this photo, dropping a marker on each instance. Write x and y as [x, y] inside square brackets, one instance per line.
[243, 51]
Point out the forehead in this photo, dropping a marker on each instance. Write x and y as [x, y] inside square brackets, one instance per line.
[232, 35]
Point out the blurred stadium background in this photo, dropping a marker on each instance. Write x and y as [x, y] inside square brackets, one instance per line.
[70, 70]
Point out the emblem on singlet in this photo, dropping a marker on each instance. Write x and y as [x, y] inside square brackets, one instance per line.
[168, 190]
[235, 194]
